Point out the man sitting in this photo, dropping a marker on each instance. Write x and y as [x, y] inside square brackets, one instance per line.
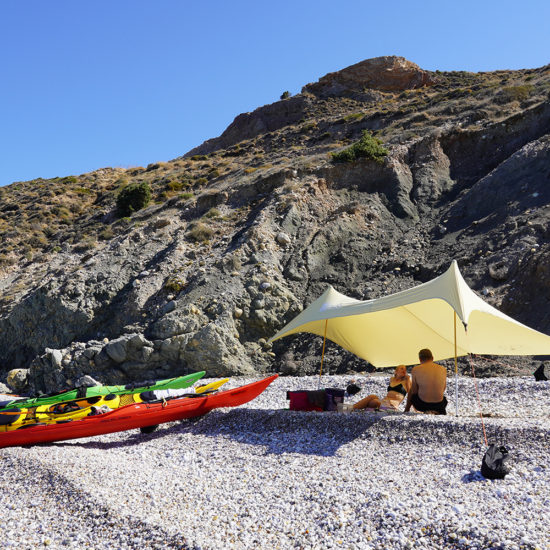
[429, 381]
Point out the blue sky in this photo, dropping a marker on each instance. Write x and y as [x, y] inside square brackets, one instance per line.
[89, 84]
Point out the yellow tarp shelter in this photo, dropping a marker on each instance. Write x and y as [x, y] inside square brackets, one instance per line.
[391, 330]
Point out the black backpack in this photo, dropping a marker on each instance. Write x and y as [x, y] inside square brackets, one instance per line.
[539, 374]
[494, 465]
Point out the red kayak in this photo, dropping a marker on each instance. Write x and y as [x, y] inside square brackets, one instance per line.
[137, 415]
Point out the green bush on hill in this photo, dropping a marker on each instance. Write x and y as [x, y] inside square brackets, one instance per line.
[367, 147]
[516, 93]
[132, 198]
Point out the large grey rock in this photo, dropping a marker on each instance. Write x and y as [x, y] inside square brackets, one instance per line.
[56, 357]
[86, 381]
[178, 322]
[171, 348]
[102, 360]
[116, 349]
[213, 350]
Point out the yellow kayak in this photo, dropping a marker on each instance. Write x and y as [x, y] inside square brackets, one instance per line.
[213, 386]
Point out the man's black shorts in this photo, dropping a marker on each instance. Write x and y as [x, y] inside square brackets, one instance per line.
[422, 406]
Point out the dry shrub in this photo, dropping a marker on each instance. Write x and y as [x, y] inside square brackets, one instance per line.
[200, 232]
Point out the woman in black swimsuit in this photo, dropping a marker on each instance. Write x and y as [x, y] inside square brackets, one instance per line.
[400, 384]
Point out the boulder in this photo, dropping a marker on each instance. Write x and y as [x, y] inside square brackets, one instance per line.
[86, 381]
[102, 361]
[56, 357]
[212, 349]
[116, 349]
[178, 322]
[18, 379]
[499, 271]
[283, 239]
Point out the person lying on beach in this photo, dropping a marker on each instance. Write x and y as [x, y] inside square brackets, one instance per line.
[400, 384]
[429, 381]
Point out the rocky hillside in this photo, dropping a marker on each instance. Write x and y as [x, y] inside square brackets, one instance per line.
[248, 228]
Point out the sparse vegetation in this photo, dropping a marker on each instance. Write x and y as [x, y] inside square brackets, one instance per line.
[516, 93]
[88, 243]
[83, 191]
[200, 232]
[213, 213]
[175, 185]
[285, 95]
[157, 166]
[308, 126]
[106, 234]
[174, 284]
[353, 117]
[44, 215]
[367, 147]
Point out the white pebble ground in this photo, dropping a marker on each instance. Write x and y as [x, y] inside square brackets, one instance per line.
[259, 476]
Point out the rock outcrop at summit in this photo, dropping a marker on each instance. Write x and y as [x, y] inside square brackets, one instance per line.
[250, 227]
[387, 73]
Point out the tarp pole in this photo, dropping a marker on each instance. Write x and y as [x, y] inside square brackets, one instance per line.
[323, 352]
[456, 374]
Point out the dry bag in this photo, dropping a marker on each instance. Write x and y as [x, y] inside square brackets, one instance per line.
[494, 462]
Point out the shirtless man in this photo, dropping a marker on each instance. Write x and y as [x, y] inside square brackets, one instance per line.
[429, 381]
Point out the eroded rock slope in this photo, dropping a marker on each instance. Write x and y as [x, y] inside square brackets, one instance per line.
[248, 228]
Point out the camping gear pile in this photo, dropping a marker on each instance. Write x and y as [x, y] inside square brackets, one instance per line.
[315, 400]
[115, 408]
[327, 399]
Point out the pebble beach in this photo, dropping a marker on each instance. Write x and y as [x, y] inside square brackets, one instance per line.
[261, 476]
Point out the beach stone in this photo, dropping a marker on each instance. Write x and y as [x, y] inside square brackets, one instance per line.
[56, 357]
[17, 379]
[86, 381]
[283, 239]
[499, 271]
[170, 306]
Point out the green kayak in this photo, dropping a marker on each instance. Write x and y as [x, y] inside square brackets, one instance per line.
[177, 383]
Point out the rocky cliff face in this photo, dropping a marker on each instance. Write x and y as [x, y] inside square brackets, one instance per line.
[250, 227]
